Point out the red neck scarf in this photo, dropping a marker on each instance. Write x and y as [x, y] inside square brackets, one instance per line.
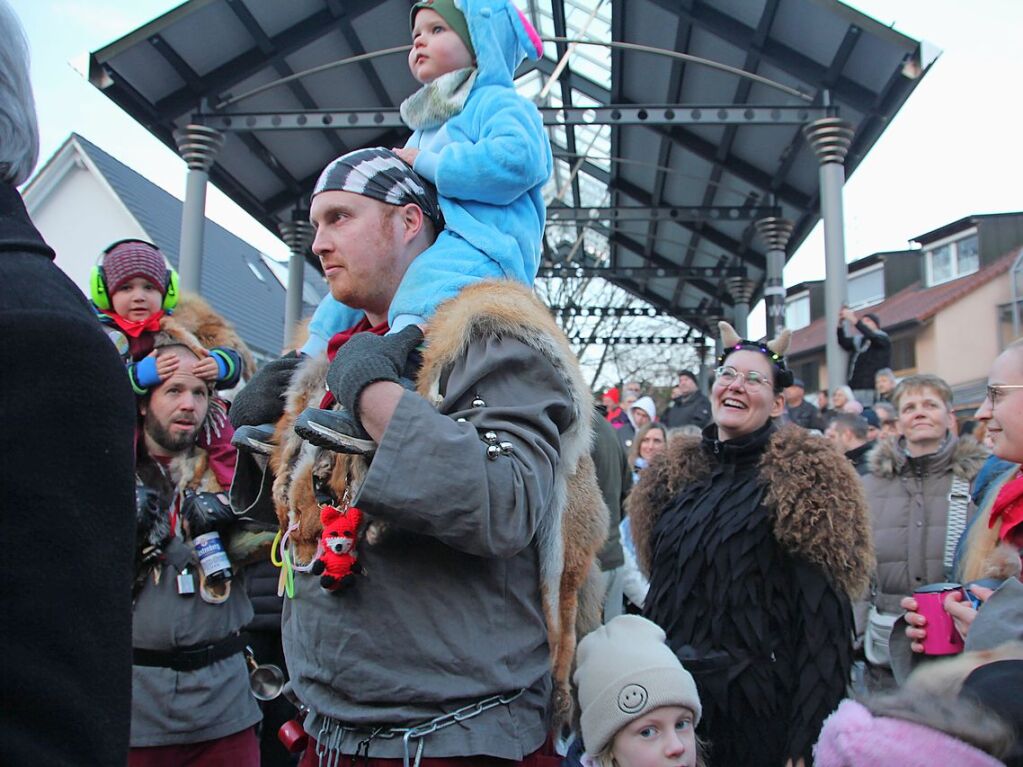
[1008, 507]
[135, 328]
[340, 339]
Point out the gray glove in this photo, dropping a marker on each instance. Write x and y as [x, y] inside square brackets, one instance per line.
[367, 358]
[261, 400]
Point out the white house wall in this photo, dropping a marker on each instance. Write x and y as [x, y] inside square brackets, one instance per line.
[78, 218]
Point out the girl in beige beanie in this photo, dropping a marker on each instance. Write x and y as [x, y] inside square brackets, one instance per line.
[639, 706]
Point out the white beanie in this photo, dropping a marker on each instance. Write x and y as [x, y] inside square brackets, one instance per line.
[624, 670]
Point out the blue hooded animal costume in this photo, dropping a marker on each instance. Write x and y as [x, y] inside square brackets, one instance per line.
[484, 147]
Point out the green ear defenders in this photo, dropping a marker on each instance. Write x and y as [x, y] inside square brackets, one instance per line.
[100, 295]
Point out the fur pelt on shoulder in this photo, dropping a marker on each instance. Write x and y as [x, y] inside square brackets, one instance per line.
[197, 325]
[888, 460]
[820, 513]
[567, 540]
[945, 676]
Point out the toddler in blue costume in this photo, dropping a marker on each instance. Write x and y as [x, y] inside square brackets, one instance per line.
[484, 148]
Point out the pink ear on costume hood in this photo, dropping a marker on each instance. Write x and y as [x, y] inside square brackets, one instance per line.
[529, 37]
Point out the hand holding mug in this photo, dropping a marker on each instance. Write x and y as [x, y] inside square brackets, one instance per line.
[915, 624]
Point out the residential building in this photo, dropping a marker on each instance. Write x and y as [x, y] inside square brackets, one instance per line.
[83, 199]
[946, 303]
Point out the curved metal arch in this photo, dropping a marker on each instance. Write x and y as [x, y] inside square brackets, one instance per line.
[603, 44]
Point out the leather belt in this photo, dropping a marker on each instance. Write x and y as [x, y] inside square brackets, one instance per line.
[190, 658]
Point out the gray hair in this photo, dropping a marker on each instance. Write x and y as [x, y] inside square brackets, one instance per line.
[19, 131]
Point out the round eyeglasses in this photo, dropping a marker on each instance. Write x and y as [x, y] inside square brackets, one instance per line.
[727, 375]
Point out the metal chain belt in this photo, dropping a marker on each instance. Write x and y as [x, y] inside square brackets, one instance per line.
[332, 732]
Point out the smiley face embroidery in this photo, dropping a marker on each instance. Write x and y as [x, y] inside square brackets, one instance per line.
[632, 698]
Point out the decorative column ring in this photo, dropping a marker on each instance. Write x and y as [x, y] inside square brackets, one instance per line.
[740, 289]
[297, 235]
[198, 145]
[830, 138]
[775, 232]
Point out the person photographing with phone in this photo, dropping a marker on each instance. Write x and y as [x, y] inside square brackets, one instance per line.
[869, 351]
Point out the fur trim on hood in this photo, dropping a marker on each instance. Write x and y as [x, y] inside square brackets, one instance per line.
[819, 509]
[888, 459]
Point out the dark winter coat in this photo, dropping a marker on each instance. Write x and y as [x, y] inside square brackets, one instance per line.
[754, 549]
[261, 581]
[691, 409]
[615, 480]
[868, 353]
[806, 415]
[67, 514]
[860, 456]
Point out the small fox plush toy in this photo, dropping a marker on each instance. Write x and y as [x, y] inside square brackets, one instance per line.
[339, 564]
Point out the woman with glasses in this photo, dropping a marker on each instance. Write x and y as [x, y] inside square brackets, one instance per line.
[755, 538]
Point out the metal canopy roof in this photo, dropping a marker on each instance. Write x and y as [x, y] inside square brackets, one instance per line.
[668, 173]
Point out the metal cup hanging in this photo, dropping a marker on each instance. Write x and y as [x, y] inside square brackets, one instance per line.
[266, 681]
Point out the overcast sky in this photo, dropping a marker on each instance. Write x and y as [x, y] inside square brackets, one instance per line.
[952, 150]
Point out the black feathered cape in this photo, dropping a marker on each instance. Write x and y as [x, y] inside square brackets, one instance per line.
[754, 549]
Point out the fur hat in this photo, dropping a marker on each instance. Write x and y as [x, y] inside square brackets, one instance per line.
[130, 259]
[625, 670]
[451, 13]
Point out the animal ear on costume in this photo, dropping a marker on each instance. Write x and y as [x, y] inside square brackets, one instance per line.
[728, 335]
[328, 515]
[780, 344]
[529, 38]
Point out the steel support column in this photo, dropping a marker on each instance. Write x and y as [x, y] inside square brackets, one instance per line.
[198, 146]
[775, 233]
[298, 236]
[830, 138]
[741, 290]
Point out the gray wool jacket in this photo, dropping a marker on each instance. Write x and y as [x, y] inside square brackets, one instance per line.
[909, 501]
[449, 611]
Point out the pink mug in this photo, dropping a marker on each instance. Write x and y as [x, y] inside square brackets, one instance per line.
[942, 637]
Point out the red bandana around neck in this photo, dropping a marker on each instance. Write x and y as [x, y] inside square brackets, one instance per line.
[1008, 507]
[340, 339]
[135, 328]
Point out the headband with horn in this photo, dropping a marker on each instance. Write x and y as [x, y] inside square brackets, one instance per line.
[774, 350]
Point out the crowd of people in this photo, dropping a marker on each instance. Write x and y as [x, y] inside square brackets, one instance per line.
[416, 538]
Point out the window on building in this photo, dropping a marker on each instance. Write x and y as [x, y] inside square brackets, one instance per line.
[904, 354]
[797, 311]
[866, 287]
[952, 260]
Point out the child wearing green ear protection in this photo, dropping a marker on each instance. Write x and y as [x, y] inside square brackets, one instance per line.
[132, 289]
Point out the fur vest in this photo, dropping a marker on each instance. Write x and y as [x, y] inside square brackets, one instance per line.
[813, 493]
